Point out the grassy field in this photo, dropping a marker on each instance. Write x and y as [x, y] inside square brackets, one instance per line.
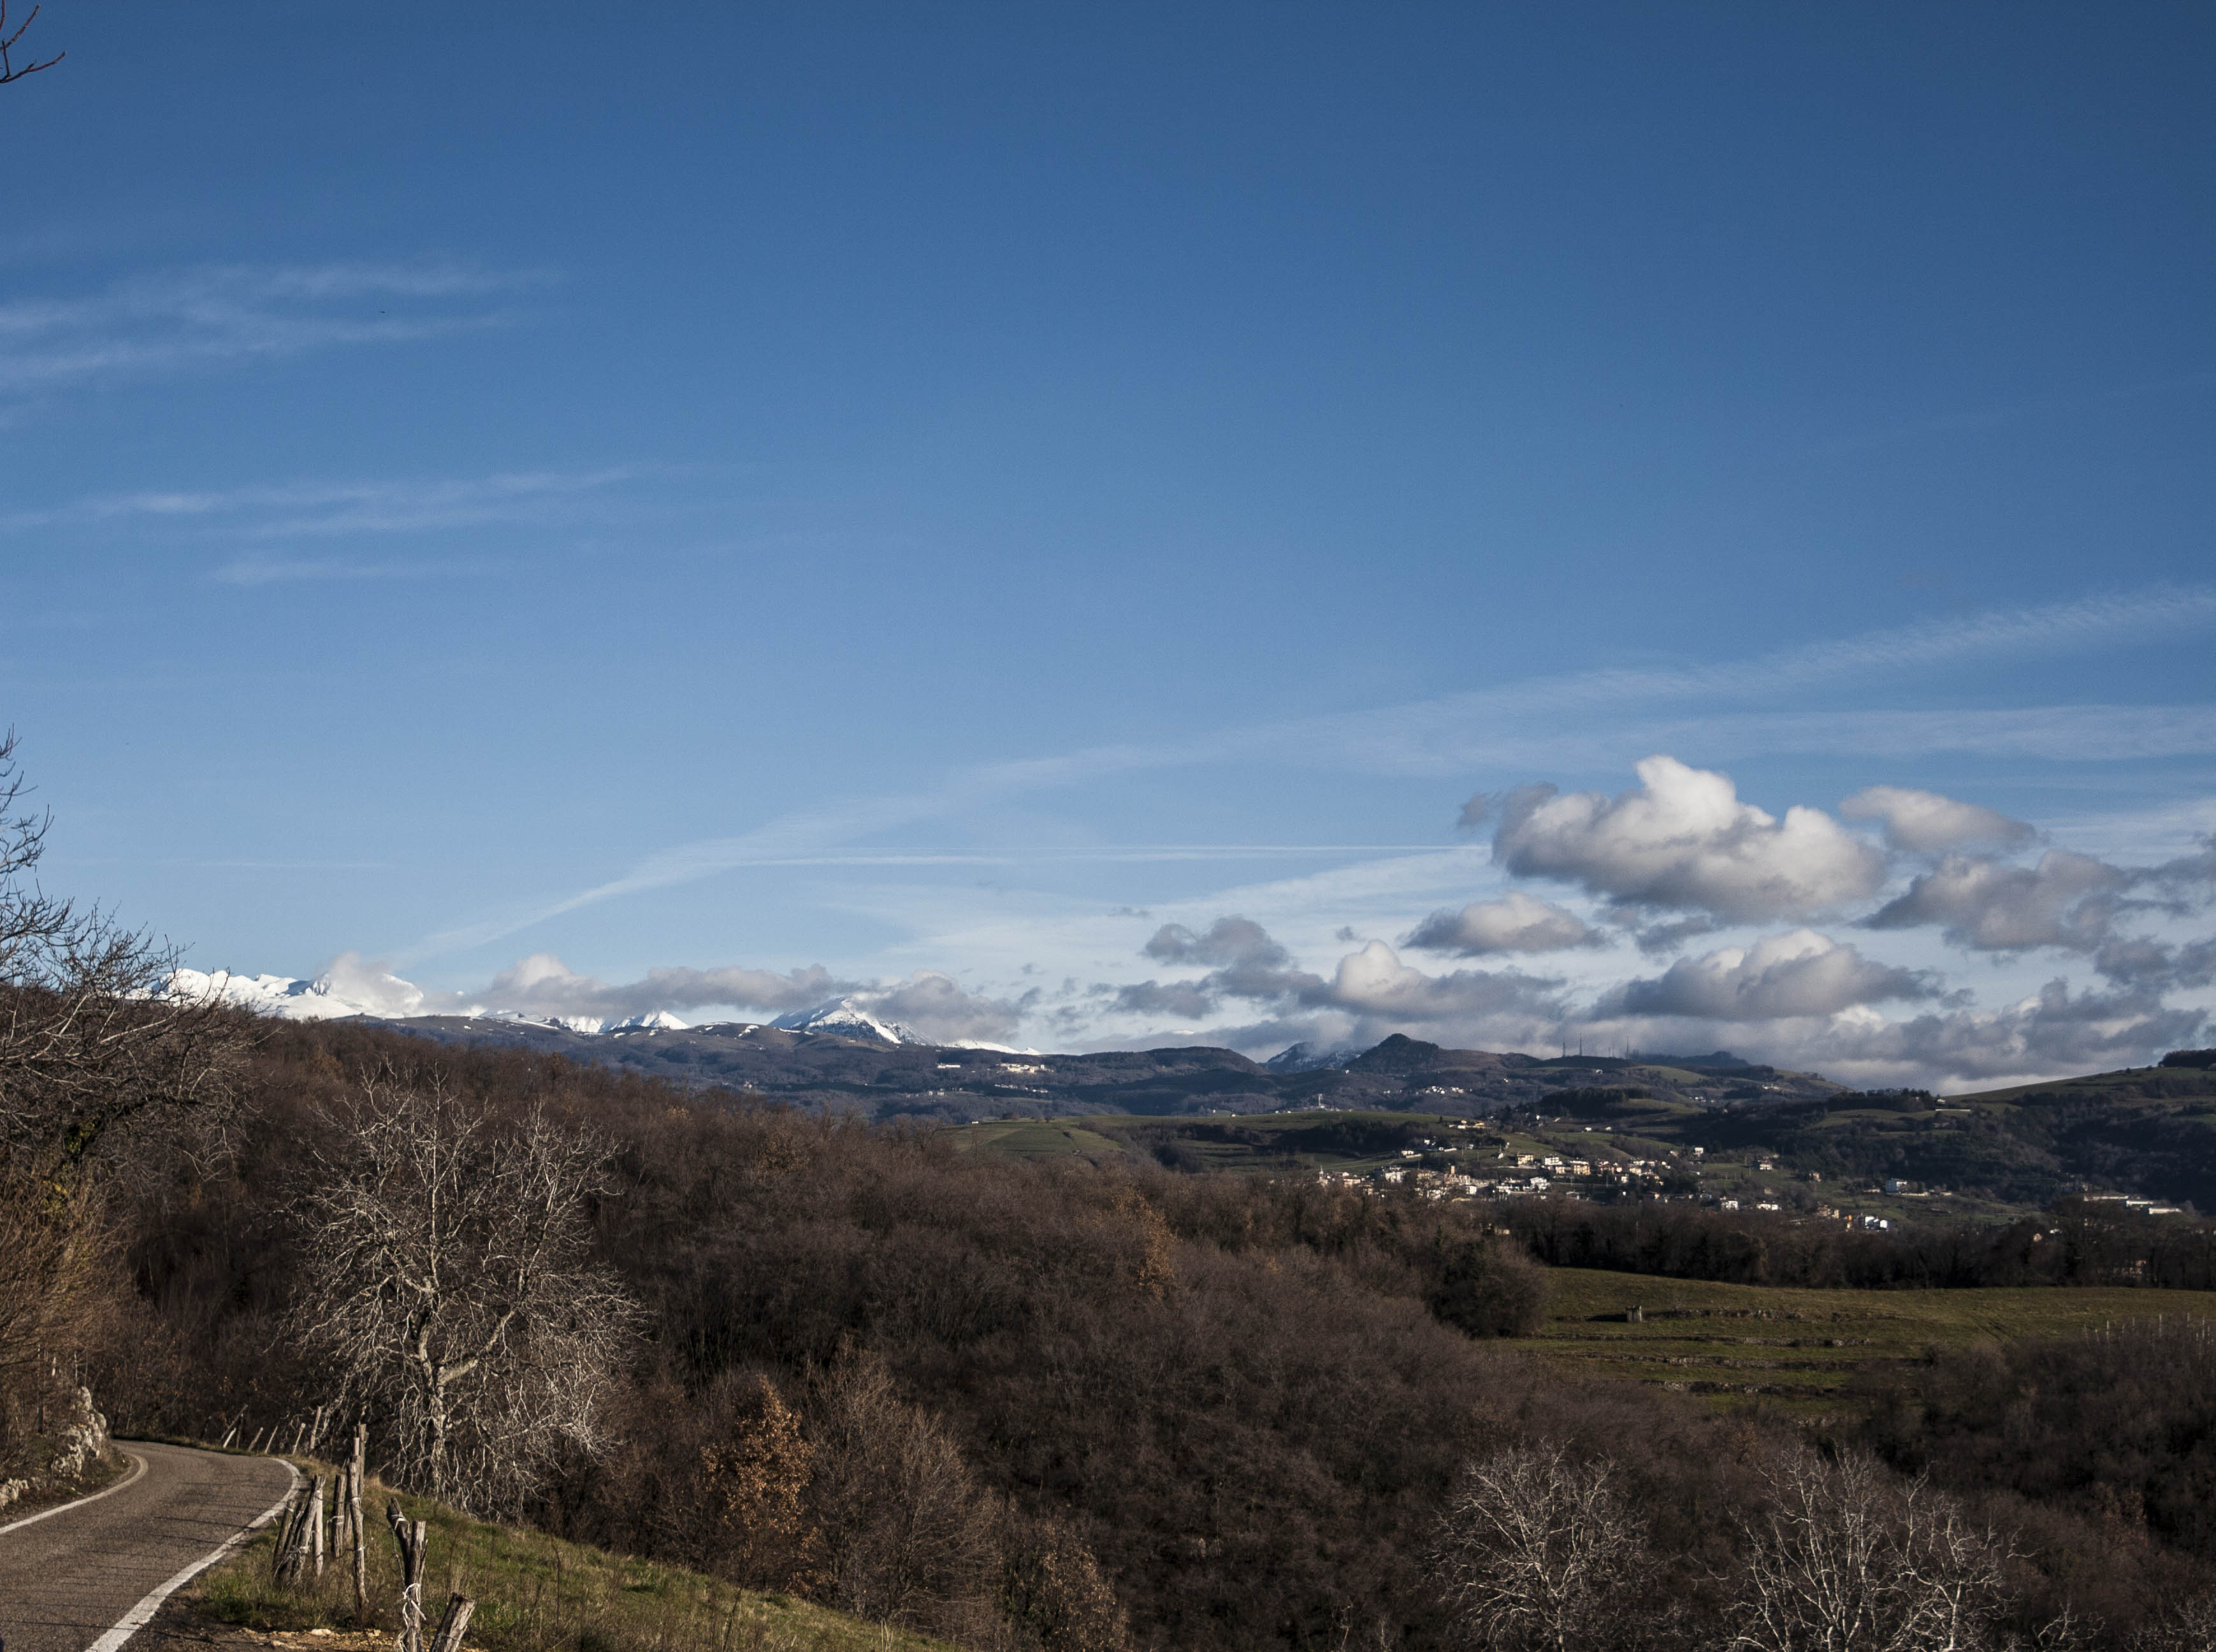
[1805, 1350]
[535, 1593]
[1037, 1138]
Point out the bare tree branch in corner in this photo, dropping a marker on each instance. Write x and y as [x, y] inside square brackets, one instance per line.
[8, 70]
[448, 1279]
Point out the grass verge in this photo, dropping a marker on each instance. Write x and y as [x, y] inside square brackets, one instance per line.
[535, 1593]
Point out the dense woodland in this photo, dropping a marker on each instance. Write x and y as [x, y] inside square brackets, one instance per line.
[1075, 1405]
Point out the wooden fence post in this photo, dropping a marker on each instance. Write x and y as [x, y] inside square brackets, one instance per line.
[340, 1483]
[315, 1523]
[449, 1637]
[411, 1536]
[293, 1531]
[284, 1535]
[354, 1519]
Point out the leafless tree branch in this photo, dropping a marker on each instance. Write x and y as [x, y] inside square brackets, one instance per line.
[8, 70]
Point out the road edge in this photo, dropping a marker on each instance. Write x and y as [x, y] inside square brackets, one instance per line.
[79, 1502]
[140, 1615]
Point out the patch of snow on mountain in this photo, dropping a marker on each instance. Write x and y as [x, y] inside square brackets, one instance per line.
[1307, 1058]
[660, 1020]
[848, 1019]
[286, 996]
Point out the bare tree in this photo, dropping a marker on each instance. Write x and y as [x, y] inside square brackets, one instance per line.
[908, 1535]
[448, 1279]
[1537, 1550]
[93, 1051]
[91, 1039]
[2186, 1625]
[1850, 1559]
[9, 71]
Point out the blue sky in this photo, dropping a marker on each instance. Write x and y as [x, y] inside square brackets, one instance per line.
[957, 504]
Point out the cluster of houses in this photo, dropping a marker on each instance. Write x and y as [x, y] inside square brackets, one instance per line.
[2137, 1206]
[1535, 1173]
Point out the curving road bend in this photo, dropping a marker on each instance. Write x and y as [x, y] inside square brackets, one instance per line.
[70, 1579]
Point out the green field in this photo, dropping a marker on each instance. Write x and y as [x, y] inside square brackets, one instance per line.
[1037, 1138]
[1806, 1350]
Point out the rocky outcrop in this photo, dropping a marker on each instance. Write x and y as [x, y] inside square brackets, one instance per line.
[82, 1440]
[80, 1444]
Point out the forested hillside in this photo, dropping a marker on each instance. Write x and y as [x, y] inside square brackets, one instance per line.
[868, 1367]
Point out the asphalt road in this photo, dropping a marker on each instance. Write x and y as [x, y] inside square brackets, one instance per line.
[68, 1580]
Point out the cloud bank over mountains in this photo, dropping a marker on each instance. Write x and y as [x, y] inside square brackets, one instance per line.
[543, 988]
[1674, 857]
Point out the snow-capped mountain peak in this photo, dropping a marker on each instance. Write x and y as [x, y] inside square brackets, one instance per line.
[657, 1021]
[847, 1019]
[289, 998]
[1310, 1059]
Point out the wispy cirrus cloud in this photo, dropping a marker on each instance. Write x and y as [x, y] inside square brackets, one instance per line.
[1456, 733]
[1521, 722]
[164, 321]
[316, 509]
[277, 571]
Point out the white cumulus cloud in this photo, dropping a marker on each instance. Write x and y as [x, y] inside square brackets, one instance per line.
[1796, 974]
[1517, 922]
[1924, 822]
[2067, 900]
[1682, 839]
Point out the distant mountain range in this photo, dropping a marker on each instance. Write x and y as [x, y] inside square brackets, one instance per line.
[290, 998]
[881, 1076]
[842, 1055]
[2148, 1130]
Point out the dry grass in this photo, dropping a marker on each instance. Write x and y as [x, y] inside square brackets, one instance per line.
[535, 1593]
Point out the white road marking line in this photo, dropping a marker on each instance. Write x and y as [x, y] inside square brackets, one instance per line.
[138, 1618]
[138, 1468]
